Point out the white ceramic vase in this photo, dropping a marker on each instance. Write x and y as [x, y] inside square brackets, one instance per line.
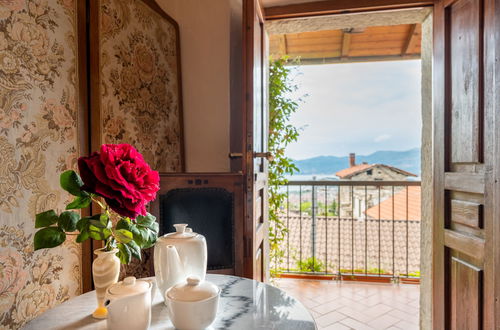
[105, 272]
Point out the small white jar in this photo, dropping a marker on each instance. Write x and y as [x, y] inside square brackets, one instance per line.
[129, 304]
[193, 304]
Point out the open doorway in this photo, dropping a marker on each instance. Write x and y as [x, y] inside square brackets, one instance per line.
[359, 219]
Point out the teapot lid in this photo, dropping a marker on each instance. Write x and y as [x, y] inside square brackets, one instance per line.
[129, 286]
[181, 231]
[193, 290]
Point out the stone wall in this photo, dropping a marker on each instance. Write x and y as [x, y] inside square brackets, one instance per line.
[426, 228]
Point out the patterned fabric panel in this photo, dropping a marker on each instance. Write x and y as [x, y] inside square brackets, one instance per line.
[139, 96]
[139, 82]
[38, 140]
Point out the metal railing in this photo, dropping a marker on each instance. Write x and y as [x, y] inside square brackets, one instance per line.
[351, 228]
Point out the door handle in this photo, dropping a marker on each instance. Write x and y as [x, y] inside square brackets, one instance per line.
[234, 155]
[266, 155]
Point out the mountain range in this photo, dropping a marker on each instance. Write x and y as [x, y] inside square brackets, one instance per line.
[408, 160]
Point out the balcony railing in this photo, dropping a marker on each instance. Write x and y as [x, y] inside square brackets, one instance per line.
[351, 228]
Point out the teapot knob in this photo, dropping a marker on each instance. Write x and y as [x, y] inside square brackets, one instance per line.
[130, 280]
[193, 280]
[180, 227]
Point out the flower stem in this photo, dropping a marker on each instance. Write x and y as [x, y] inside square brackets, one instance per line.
[101, 205]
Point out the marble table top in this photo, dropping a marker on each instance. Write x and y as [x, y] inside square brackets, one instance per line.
[244, 304]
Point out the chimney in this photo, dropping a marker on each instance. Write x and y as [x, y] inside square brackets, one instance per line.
[352, 159]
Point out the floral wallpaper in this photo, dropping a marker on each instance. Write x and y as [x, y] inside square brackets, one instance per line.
[139, 90]
[38, 130]
[139, 82]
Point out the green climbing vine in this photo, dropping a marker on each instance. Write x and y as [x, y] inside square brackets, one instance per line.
[282, 105]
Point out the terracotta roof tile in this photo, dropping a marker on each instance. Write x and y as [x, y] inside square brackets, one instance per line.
[352, 170]
[399, 200]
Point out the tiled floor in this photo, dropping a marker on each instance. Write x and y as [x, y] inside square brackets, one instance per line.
[357, 305]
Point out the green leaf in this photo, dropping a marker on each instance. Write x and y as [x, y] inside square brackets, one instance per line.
[123, 223]
[83, 224]
[145, 230]
[98, 233]
[146, 221]
[123, 253]
[68, 220]
[134, 249]
[83, 236]
[48, 238]
[72, 183]
[46, 219]
[97, 223]
[123, 236]
[79, 202]
[103, 219]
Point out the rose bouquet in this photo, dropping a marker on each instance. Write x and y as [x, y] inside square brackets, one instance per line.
[118, 180]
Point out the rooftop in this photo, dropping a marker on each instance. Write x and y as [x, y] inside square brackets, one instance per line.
[399, 211]
[356, 169]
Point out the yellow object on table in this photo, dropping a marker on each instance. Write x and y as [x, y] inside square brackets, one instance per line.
[100, 312]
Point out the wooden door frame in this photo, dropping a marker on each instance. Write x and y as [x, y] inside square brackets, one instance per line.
[283, 12]
[83, 128]
[250, 8]
[331, 7]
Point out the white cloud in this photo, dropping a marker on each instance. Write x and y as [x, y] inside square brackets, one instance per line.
[383, 137]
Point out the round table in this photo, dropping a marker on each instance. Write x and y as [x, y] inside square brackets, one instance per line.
[244, 304]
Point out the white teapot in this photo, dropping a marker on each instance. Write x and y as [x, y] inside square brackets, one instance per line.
[129, 304]
[178, 255]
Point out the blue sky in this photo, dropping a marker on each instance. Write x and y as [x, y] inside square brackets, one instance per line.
[357, 107]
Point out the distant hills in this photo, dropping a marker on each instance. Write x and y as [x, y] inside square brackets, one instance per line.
[408, 160]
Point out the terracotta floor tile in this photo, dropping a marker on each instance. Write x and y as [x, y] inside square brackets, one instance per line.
[378, 310]
[406, 325]
[412, 318]
[384, 321]
[355, 314]
[330, 318]
[337, 326]
[354, 324]
[357, 305]
[309, 303]
[328, 307]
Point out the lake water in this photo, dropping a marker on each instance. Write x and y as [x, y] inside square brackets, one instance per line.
[310, 177]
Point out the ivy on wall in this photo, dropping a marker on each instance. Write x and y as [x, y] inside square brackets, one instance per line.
[282, 104]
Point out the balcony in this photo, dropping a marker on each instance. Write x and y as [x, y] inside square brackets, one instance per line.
[342, 236]
[368, 230]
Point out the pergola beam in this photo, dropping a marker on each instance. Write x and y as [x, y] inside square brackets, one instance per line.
[283, 48]
[346, 44]
[409, 39]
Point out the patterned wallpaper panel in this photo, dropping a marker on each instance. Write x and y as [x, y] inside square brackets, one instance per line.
[139, 96]
[38, 140]
[139, 82]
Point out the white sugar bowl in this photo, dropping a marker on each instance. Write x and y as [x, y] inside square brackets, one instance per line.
[129, 304]
[192, 305]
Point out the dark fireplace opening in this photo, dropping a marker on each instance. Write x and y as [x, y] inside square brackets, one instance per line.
[209, 212]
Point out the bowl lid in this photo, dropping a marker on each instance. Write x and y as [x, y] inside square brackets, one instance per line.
[129, 286]
[181, 231]
[193, 290]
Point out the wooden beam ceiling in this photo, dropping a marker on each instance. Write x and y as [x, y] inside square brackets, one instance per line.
[377, 43]
[339, 7]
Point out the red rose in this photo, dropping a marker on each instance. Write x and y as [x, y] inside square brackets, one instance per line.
[120, 175]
